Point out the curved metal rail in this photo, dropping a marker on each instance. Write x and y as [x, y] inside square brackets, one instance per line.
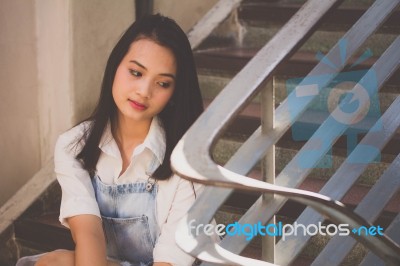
[191, 158]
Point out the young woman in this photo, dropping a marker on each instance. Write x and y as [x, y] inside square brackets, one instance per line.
[114, 168]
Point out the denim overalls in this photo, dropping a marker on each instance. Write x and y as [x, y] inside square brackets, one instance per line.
[129, 219]
[128, 213]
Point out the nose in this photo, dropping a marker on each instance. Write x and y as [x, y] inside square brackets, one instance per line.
[144, 88]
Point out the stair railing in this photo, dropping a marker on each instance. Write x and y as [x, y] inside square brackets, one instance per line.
[217, 14]
[191, 158]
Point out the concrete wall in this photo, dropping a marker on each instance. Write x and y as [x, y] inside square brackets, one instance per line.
[53, 44]
[19, 134]
[53, 54]
[95, 34]
[185, 13]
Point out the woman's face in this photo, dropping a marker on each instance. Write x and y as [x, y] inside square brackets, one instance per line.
[144, 81]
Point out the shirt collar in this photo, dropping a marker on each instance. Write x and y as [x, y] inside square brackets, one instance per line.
[154, 141]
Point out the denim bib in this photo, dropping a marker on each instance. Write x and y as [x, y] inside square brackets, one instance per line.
[130, 225]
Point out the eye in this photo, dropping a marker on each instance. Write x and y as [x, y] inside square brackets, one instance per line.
[164, 84]
[135, 73]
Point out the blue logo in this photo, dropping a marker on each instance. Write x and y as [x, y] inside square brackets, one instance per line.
[348, 99]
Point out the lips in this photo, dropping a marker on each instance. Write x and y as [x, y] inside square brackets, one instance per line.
[136, 105]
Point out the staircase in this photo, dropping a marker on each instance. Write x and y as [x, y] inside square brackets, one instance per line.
[219, 60]
[226, 51]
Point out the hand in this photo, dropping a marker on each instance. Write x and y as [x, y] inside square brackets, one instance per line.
[162, 264]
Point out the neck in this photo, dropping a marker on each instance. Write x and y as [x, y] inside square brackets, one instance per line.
[127, 132]
[129, 135]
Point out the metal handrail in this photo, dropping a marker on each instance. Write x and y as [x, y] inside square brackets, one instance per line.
[389, 122]
[388, 184]
[383, 246]
[210, 21]
[258, 142]
[191, 158]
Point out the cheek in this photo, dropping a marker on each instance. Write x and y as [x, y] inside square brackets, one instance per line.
[168, 96]
[118, 89]
[115, 93]
[118, 82]
[164, 98]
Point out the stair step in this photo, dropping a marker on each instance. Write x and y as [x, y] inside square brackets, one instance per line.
[264, 13]
[319, 41]
[254, 252]
[43, 233]
[244, 199]
[259, 21]
[249, 120]
[228, 61]
[284, 153]
[211, 86]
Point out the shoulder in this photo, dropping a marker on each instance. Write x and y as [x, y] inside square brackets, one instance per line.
[76, 132]
[71, 138]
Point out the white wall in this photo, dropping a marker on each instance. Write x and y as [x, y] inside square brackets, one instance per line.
[53, 54]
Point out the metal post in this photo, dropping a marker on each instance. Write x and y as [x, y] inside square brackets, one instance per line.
[268, 162]
[143, 7]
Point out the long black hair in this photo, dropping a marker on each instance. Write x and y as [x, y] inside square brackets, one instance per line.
[176, 118]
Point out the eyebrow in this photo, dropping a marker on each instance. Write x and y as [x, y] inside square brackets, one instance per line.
[162, 74]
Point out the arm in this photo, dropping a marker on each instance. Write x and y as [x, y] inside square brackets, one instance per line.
[166, 249]
[90, 247]
[79, 210]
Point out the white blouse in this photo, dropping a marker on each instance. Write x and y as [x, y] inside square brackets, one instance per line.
[174, 197]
